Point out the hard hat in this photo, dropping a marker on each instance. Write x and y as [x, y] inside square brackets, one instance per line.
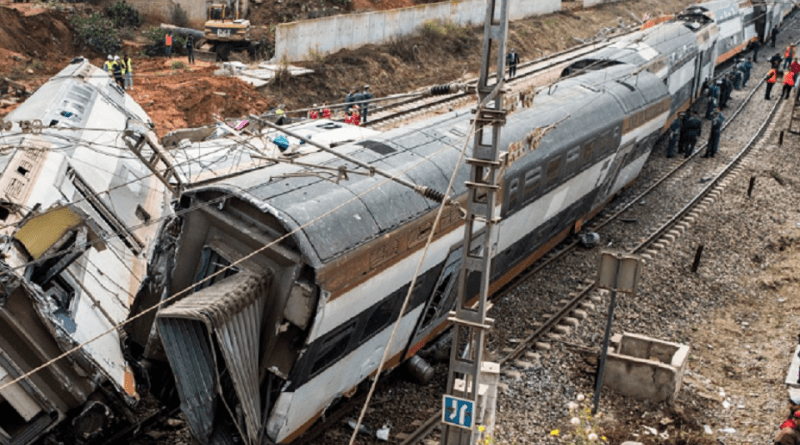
[366, 87]
[110, 58]
[116, 57]
[279, 112]
[315, 105]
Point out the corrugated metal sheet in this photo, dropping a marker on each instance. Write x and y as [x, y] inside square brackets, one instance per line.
[232, 310]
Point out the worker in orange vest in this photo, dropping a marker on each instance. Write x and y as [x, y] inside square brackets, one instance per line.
[168, 44]
[326, 111]
[788, 84]
[314, 113]
[789, 55]
[772, 77]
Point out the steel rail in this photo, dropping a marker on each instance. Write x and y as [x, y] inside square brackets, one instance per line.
[431, 423]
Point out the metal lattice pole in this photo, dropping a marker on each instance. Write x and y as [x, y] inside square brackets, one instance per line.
[471, 323]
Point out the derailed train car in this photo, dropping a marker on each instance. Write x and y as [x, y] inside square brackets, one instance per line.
[74, 214]
[282, 285]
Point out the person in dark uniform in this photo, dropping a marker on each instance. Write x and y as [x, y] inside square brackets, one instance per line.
[190, 49]
[725, 92]
[737, 76]
[755, 46]
[711, 107]
[746, 67]
[774, 35]
[674, 136]
[117, 70]
[348, 100]
[775, 60]
[694, 128]
[713, 139]
[512, 58]
[365, 96]
[683, 139]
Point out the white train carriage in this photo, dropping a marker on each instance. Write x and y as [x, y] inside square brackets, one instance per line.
[75, 212]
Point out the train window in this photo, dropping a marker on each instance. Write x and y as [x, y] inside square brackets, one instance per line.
[444, 293]
[379, 318]
[587, 152]
[212, 262]
[513, 189]
[573, 155]
[552, 171]
[532, 179]
[333, 347]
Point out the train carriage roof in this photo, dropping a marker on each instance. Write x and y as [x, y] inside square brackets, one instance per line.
[337, 217]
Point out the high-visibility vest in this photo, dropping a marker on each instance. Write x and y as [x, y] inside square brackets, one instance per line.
[772, 76]
[788, 52]
[107, 66]
[128, 66]
[169, 40]
[116, 68]
[788, 79]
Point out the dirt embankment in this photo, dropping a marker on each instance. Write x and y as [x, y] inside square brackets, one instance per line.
[36, 43]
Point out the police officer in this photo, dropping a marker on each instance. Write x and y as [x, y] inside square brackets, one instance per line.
[512, 58]
[365, 97]
[737, 76]
[684, 130]
[725, 92]
[694, 128]
[713, 89]
[713, 139]
[348, 100]
[775, 60]
[674, 136]
[746, 67]
[711, 107]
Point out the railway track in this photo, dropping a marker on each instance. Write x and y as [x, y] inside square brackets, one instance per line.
[549, 67]
[647, 246]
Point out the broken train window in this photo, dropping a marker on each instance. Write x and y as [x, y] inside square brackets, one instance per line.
[47, 271]
[212, 262]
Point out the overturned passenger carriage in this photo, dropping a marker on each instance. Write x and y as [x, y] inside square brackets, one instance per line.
[76, 223]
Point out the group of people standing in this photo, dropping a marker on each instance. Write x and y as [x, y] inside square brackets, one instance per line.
[787, 63]
[356, 107]
[121, 70]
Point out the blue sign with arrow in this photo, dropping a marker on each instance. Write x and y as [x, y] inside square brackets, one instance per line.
[458, 412]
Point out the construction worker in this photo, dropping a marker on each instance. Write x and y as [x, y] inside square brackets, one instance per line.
[788, 84]
[674, 136]
[716, 131]
[314, 113]
[366, 96]
[356, 116]
[281, 116]
[168, 44]
[107, 65]
[326, 111]
[117, 70]
[789, 55]
[795, 68]
[694, 128]
[190, 49]
[772, 77]
[348, 117]
[512, 58]
[128, 70]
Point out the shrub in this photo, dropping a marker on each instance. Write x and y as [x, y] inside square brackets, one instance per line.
[179, 16]
[178, 65]
[155, 42]
[97, 32]
[124, 15]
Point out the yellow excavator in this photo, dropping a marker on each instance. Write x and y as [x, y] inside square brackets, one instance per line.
[226, 32]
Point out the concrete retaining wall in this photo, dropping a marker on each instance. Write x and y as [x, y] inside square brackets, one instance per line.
[302, 40]
[589, 3]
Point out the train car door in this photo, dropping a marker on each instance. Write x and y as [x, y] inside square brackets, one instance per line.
[611, 172]
[698, 73]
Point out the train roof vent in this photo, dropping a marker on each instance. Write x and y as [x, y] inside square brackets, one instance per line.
[377, 147]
